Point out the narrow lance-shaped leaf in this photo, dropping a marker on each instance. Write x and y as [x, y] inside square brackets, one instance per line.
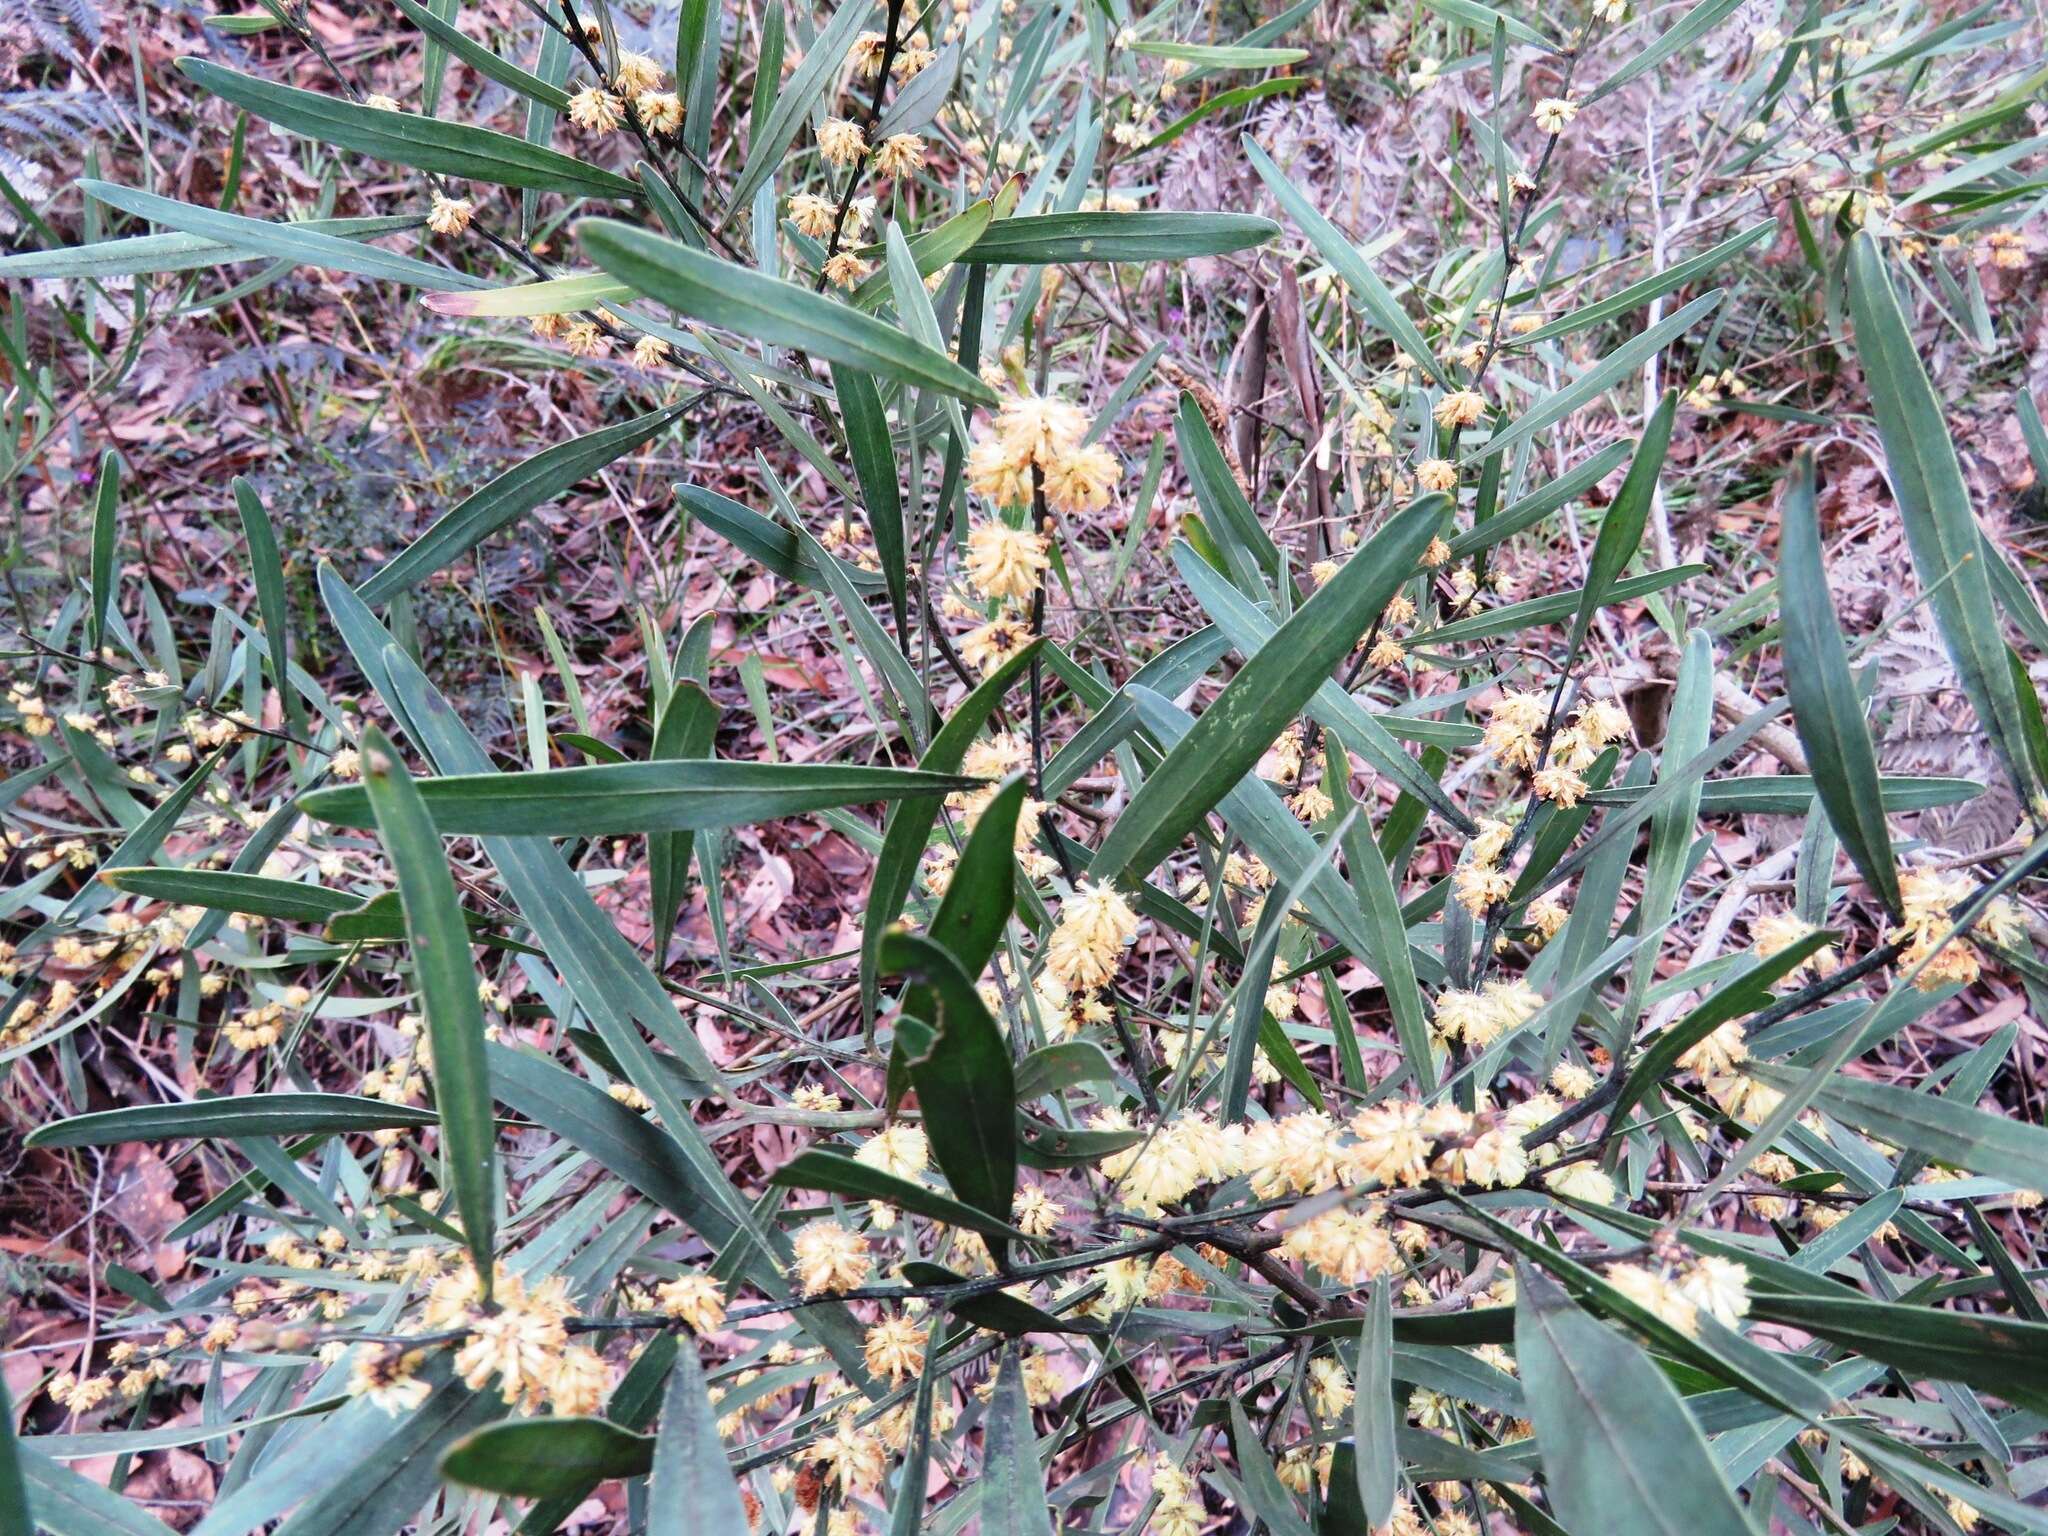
[1257, 1489]
[1379, 904]
[910, 821]
[551, 296]
[1012, 1487]
[1827, 711]
[1621, 530]
[839, 1175]
[1745, 994]
[398, 1472]
[767, 309]
[1672, 828]
[106, 529]
[259, 1114]
[1687, 30]
[874, 466]
[266, 566]
[1063, 238]
[1268, 691]
[1791, 794]
[1335, 247]
[793, 104]
[1655, 286]
[304, 244]
[1999, 1146]
[510, 497]
[1372, 1408]
[1248, 629]
[546, 1457]
[1226, 101]
[983, 891]
[691, 1489]
[1228, 513]
[1620, 1452]
[1989, 1352]
[687, 729]
[963, 1075]
[141, 255]
[14, 1515]
[611, 799]
[1221, 55]
[906, 1513]
[482, 59]
[51, 1499]
[225, 891]
[446, 976]
[1624, 361]
[1934, 504]
[765, 541]
[406, 138]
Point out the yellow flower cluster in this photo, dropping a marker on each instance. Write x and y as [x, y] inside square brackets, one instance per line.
[1032, 433]
[989, 646]
[1927, 897]
[1095, 926]
[851, 1457]
[522, 1339]
[1179, 1511]
[1482, 1017]
[1005, 563]
[1350, 1246]
[830, 1259]
[894, 1349]
[1188, 1151]
[450, 215]
[1677, 1296]
[1776, 932]
[698, 1300]
[387, 1375]
[841, 142]
[596, 110]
